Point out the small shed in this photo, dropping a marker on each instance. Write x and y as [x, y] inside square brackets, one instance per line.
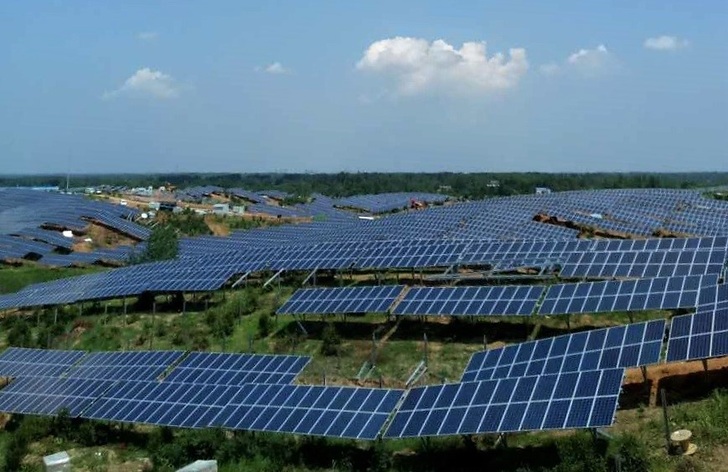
[221, 209]
[200, 466]
[542, 190]
[58, 462]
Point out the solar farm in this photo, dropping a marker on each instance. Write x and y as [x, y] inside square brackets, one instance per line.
[560, 303]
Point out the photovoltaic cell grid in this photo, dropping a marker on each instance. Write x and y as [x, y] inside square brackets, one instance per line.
[342, 412]
[48, 395]
[632, 345]
[237, 369]
[644, 263]
[25, 362]
[556, 401]
[466, 301]
[628, 295]
[161, 403]
[342, 300]
[131, 365]
[699, 336]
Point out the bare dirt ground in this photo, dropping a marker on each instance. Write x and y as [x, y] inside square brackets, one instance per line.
[689, 378]
[101, 237]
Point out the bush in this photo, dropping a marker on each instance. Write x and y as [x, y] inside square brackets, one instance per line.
[20, 334]
[580, 453]
[265, 325]
[633, 454]
[330, 341]
[688, 464]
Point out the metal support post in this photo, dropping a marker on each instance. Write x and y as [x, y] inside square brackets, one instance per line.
[663, 399]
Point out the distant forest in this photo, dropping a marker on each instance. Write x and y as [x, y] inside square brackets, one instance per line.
[475, 185]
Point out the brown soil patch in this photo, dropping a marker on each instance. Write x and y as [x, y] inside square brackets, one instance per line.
[657, 375]
[102, 237]
[217, 228]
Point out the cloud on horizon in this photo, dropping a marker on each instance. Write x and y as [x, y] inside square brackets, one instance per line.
[584, 62]
[665, 43]
[417, 66]
[146, 83]
[275, 68]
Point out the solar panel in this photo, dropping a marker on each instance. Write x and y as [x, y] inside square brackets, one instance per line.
[161, 403]
[569, 400]
[659, 293]
[632, 345]
[342, 300]
[47, 395]
[130, 365]
[647, 263]
[16, 361]
[342, 412]
[237, 369]
[466, 301]
[699, 336]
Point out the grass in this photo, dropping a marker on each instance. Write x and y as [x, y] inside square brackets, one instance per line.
[13, 279]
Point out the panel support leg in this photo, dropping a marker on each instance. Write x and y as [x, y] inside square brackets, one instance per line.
[663, 400]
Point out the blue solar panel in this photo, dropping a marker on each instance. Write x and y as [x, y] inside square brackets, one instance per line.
[161, 403]
[646, 263]
[342, 412]
[25, 362]
[47, 395]
[342, 300]
[632, 345]
[475, 301]
[699, 336]
[556, 401]
[659, 293]
[237, 369]
[130, 365]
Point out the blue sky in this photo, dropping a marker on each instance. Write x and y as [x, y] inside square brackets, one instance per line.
[326, 86]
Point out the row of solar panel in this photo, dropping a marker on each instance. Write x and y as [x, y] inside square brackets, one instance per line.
[210, 273]
[569, 400]
[569, 381]
[194, 368]
[659, 293]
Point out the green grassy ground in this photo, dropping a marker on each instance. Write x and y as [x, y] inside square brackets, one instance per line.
[13, 279]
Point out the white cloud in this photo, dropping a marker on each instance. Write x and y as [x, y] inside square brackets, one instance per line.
[589, 57]
[592, 62]
[147, 83]
[665, 43]
[274, 68]
[418, 66]
[147, 36]
[584, 62]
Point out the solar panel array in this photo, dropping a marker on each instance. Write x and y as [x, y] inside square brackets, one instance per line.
[342, 300]
[131, 365]
[659, 293]
[467, 301]
[701, 335]
[161, 403]
[237, 369]
[633, 345]
[647, 263]
[16, 361]
[552, 401]
[344, 412]
[49, 395]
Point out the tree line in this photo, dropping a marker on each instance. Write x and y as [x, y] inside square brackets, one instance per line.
[467, 185]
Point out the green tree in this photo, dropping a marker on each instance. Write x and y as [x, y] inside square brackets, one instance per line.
[20, 334]
[330, 341]
[163, 244]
